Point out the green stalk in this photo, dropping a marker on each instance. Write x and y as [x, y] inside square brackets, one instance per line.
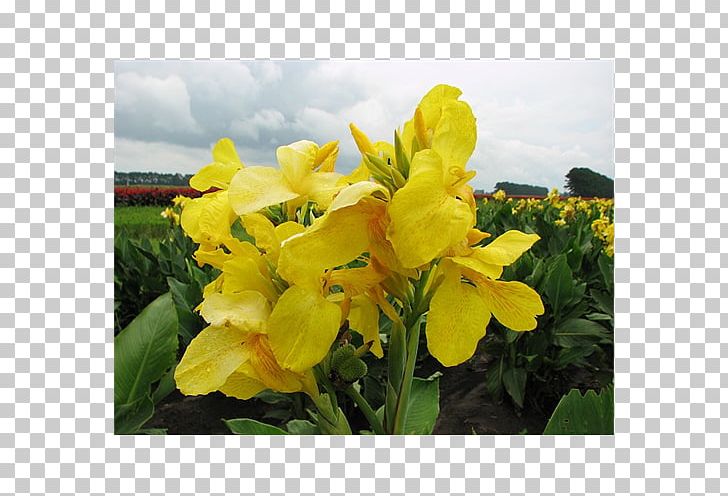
[413, 341]
[366, 409]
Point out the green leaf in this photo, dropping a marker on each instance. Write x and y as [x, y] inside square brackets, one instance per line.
[514, 380]
[248, 427]
[165, 387]
[144, 351]
[574, 356]
[559, 283]
[130, 417]
[589, 414]
[424, 406]
[576, 332]
[494, 378]
[302, 427]
[186, 297]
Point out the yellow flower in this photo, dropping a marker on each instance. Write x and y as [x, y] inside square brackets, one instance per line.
[604, 231]
[170, 214]
[470, 293]
[499, 195]
[233, 354]
[218, 173]
[560, 222]
[296, 182]
[427, 215]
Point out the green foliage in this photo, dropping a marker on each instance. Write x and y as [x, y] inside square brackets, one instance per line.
[520, 189]
[574, 277]
[143, 271]
[581, 181]
[249, 427]
[578, 414]
[424, 406]
[141, 223]
[144, 352]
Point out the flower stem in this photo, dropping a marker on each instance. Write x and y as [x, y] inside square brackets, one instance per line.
[413, 341]
[366, 409]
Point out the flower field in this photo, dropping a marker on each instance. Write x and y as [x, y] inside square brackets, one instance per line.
[299, 300]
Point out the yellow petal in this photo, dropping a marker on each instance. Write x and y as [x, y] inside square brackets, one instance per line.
[353, 194]
[321, 187]
[225, 153]
[260, 228]
[302, 327]
[506, 248]
[432, 103]
[333, 240]
[514, 304]
[257, 187]
[326, 156]
[288, 229]
[425, 220]
[297, 161]
[215, 258]
[456, 321]
[208, 219]
[247, 310]
[362, 141]
[243, 274]
[364, 319]
[210, 359]
[267, 369]
[357, 280]
[361, 173]
[219, 173]
[475, 264]
[242, 384]
[455, 134]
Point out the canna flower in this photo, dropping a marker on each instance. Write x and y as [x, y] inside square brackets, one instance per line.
[207, 219]
[296, 182]
[170, 214]
[233, 355]
[470, 292]
[499, 195]
[560, 222]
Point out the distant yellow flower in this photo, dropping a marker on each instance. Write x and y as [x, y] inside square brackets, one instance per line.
[499, 195]
[560, 222]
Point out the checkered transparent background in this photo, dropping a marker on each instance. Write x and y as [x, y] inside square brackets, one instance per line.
[56, 253]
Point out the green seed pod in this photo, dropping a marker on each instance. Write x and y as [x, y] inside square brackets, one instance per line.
[341, 354]
[351, 369]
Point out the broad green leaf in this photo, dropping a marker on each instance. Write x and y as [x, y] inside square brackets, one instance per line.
[424, 406]
[494, 378]
[604, 301]
[575, 332]
[574, 356]
[514, 380]
[591, 413]
[130, 417]
[144, 351]
[559, 283]
[165, 387]
[246, 427]
[302, 427]
[186, 297]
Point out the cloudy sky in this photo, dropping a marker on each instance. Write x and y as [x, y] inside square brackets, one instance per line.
[536, 119]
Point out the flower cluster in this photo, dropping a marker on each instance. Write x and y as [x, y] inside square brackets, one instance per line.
[148, 195]
[307, 255]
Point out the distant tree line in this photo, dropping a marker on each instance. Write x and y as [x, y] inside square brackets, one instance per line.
[580, 181]
[151, 178]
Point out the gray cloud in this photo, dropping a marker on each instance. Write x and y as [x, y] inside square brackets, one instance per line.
[536, 119]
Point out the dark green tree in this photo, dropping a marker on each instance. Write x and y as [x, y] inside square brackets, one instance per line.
[520, 189]
[581, 181]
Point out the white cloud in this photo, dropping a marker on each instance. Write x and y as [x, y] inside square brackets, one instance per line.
[135, 155]
[536, 119]
[158, 102]
[266, 119]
